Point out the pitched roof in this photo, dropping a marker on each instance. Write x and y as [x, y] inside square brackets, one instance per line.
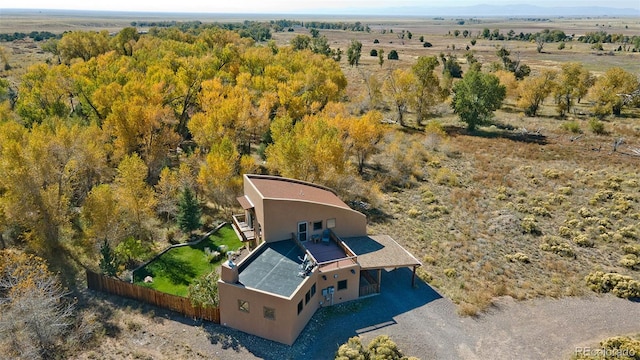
[273, 187]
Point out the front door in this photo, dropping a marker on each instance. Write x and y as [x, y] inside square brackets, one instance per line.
[302, 231]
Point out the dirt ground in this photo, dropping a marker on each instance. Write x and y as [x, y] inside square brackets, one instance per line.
[419, 320]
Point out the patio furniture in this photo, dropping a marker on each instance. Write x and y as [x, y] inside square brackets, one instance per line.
[326, 237]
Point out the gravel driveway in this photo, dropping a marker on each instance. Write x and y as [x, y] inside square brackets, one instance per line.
[426, 325]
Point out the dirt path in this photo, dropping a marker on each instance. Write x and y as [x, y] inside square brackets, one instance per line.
[419, 320]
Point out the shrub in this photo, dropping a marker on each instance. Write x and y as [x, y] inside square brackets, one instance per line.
[565, 190]
[530, 225]
[373, 52]
[450, 272]
[203, 291]
[435, 211]
[583, 240]
[551, 173]
[393, 55]
[622, 345]
[630, 261]
[561, 46]
[557, 246]
[445, 176]
[596, 126]
[620, 285]
[427, 44]
[413, 212]
[572, 126]
[381, 347]
[352, 350]
[631, 249]
[517, 257]
[376, 41]
[212, 255]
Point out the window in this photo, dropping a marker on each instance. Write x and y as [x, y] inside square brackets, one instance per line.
[307, 297]
[269, 313]
[342, 284]
[243, 306]
[317, 225]
[331, 223]
[299, 307]
[313, 289]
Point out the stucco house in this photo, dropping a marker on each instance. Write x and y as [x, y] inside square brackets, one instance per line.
[309, 250]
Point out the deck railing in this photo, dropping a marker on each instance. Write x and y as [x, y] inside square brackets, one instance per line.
[242, 228]
[337, 263]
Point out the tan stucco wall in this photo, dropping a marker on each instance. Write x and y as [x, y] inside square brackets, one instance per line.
[352, 291]
[281, 218]
[287, 324]
[256, 199]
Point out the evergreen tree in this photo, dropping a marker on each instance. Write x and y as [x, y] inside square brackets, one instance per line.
[107, 261]
[188, 211]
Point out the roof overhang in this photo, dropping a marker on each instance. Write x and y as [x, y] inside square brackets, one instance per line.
[245, 202]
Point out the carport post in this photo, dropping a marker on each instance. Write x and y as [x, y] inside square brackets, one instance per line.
[413, 277]
[379, 279]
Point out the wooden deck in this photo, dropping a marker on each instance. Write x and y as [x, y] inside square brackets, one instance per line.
[323, 252]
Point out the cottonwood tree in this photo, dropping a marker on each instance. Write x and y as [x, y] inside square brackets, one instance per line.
[364, 134]
[354, 52]
[608, 91]
[476, 97]
[311, 149]
[136, 199]
[44, 92]
[400, 86]
[573, 82]
[533, 90]
[427, 86]
[34, 312]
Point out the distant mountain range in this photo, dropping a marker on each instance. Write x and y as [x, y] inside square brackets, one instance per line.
[515, 10]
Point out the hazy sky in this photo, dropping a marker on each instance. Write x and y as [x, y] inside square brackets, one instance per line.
[284, 6]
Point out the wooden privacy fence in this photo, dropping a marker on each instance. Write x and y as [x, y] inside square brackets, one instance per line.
[150, 296]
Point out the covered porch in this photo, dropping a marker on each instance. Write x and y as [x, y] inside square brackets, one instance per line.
[377, 252]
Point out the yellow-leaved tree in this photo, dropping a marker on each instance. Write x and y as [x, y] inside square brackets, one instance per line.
[533, 90]
[611, 90]
[311, 149]
[136, 200]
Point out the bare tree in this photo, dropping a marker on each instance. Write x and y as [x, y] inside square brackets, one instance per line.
[34, 311]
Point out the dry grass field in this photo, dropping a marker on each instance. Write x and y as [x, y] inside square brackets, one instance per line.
[525, 208]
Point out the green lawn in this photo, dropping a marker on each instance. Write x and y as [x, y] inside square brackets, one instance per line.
[174, 270]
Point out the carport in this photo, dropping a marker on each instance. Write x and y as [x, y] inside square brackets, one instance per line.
[377, 252]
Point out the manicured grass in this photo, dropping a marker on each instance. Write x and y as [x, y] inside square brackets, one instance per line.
[174, 270]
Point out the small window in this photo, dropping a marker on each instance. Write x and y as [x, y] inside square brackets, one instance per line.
[269, 313]
[313, 289]
[331, 223]
[342, 284]
[243, 306]
[307, 297]
[317, 225]
[299, 307]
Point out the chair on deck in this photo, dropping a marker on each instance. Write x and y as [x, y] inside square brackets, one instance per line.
[326, 237]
